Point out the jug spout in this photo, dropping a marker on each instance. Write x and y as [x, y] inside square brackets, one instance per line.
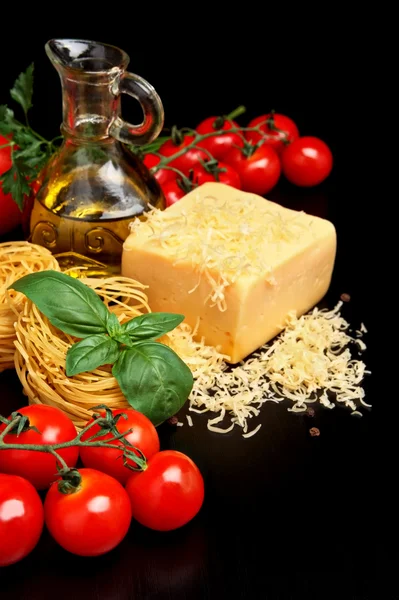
[85, 55]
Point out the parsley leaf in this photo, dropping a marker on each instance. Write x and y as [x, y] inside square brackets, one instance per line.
[8, 124]
[23, 89]
[29, 150]
[15, 182]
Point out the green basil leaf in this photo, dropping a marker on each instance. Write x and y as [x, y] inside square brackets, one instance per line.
[68, 303]
[113, 325]
[91, 353]
[124, 338]
[152, 325]
[154, 380]
[23, 89]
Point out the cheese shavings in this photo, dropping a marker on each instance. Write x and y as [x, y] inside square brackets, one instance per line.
[310, 361]
[222, 240]
[311, 358]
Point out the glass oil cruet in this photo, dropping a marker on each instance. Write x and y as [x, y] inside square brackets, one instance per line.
[94, 186]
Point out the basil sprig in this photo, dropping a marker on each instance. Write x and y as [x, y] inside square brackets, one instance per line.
[152, 377]
[67, 303]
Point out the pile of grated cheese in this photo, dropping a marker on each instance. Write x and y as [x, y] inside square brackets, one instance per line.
[310, 361]
[223, 240]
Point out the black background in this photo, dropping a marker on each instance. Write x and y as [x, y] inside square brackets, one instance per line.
[286, 515]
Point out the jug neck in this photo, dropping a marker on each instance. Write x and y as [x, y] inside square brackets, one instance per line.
[89, 73]
[89, 106]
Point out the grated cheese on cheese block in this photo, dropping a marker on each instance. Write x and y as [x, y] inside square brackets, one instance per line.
[234, 260]
[309, 362]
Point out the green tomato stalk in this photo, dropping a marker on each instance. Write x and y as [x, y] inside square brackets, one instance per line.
[70, 477]
[177, 135]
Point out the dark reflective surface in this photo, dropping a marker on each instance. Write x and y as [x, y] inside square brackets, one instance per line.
[286, 515]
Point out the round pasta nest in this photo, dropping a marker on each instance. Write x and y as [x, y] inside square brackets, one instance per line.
[41, 351]
[16, 260]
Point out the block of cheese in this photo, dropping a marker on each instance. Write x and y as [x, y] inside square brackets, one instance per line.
[233, 263]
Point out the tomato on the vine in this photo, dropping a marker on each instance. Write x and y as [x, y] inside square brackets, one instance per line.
[10, 214]
[258, 168]
[281, 130]
[174, 191]
[186, 161]
[219, 145]
[216, 171]
[307, 161]
[40, 468]
[92, 519]
[162, 175]
[168, 494]
[21, 518]
[108, 460]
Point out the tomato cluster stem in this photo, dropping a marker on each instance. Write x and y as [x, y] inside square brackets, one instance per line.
[128, 451]
[198, 137]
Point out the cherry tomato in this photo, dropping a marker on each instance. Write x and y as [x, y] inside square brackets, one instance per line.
[285, 130]
[163, 175]
[307, 161]
[92, 520]
[219, 145]
[186, 161]
[221, 172]
[172, 192]
[258, 172]
[144, 436]
[168, 494]
[21, 518]
[10, 215]
[40, 467]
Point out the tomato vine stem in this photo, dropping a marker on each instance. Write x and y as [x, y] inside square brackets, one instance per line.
[165, 160]
[128, 451]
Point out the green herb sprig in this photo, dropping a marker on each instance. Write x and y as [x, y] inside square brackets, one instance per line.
[29, 150]
[152, 377]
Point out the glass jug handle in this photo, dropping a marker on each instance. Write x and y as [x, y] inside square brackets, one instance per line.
[150, 102]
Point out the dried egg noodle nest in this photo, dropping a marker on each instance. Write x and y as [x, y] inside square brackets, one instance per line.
[16, 260]
[41, 351]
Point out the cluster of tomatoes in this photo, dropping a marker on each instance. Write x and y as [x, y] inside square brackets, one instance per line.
[251, 159]
[89, 510]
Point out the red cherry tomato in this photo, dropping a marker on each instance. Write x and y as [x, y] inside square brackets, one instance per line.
[307, 161]
[92, 520]
[163, 175]
[168, 494]
[223, 173]
[286, 130]
[143, 436]
[40, 467]
[10, 215]
[172, 192]
[186, 161]
[258, 172]
[21, 518]
[219, 145]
